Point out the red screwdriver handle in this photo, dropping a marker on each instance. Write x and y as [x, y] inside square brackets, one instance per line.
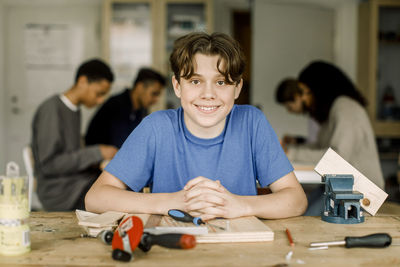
[179, 241]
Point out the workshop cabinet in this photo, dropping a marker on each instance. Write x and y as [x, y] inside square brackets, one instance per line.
[137, 33]
[379, 64]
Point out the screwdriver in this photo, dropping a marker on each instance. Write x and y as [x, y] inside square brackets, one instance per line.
[180, 241]
[379, 240]
[183, 216]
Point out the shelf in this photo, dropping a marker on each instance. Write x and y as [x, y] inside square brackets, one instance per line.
[379, 61]
[388, 156]
[139, 33]
[390, 42]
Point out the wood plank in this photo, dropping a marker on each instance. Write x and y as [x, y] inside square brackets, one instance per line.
[333, 163]
[244, 229]
[109, 218]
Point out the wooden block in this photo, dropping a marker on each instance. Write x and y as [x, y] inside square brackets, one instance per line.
[109, 218]
[333, 163]
[244, 229]
[82, 215]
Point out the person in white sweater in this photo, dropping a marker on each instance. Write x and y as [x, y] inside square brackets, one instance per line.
[325, 93]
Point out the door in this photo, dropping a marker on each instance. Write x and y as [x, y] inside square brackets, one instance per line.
[44, 44]
[242, 34]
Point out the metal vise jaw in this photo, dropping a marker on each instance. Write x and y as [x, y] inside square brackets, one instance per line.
[341, 203]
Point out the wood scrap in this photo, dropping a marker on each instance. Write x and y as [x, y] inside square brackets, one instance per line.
[333, 163]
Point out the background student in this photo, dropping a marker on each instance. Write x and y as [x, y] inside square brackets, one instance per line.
[65, 170]
[289, 89]
[206, 156]
[120, 114]
[325, 93]
[329, 97]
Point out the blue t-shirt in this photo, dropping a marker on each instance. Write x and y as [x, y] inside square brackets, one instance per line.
[161, 151]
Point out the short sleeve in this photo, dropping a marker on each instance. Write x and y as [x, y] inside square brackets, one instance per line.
[134, 162]
[271, 161]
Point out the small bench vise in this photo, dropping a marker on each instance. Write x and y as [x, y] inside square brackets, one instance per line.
[341, 203]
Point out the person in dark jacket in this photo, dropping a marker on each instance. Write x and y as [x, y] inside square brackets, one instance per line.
[120, 114]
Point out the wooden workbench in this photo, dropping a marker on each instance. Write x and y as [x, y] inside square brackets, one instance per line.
[56, 240]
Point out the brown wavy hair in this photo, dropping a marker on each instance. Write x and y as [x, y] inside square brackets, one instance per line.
[228, 50]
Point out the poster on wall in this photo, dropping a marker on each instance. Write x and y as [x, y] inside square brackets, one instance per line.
[47, 46]
[52, 52]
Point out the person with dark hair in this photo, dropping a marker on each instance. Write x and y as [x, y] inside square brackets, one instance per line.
[64, 169]
[329, 97]
[207, 156]
[120, 114]
[288, 93]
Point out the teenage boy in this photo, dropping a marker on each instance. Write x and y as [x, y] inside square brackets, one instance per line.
[206, 156]
[122, 113]
[65, 170]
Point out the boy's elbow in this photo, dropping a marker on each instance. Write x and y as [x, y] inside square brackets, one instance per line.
[301, 203]
[89, 200]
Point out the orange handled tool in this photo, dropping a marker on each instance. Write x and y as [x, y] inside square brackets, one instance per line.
[130, 235]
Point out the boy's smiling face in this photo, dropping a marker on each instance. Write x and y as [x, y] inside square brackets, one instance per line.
[206, 97]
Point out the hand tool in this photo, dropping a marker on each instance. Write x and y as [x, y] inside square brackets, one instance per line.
[180, 241]
[379, 240]
[183, 216]
[106, 236]
[152, 226]
[341, 203]
[126, 238]
[130, 235]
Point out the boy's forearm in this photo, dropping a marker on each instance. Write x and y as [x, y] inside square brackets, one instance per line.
[131, 202]
[287, 202]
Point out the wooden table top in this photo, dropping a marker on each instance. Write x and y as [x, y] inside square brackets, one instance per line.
[56, 240]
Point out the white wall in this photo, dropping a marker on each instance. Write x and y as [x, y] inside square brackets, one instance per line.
[345, 46]
[32, 85]
[282, 45]
[223, 13]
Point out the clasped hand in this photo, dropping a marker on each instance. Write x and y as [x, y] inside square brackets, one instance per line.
[209, 199]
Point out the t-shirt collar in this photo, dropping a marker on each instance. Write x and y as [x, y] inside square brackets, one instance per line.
[68, 103]
[202, 141]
